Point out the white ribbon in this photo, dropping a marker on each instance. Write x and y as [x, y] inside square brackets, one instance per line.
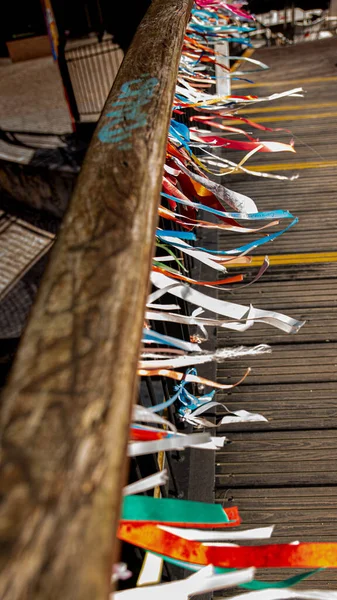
[227, 309]
[174, 442]
[261, 533]
[201, 582]
[219, 355]
[148, 483]
[203, 257]
[142, 414]
[151, 569]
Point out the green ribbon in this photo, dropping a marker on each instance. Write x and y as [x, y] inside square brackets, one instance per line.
[166, 267]
[169, 251]
[170, 510]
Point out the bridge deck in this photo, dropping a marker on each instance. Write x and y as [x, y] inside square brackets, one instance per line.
[284, 472]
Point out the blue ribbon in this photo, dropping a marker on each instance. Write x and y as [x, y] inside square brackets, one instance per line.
[182, 235]
[189, 401]
[255, 244]
[154, 336]
[271, 214]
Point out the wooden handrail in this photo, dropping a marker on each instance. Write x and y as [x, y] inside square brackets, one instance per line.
[66, 409]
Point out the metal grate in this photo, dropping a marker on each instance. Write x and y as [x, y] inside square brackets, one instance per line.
[92, 68]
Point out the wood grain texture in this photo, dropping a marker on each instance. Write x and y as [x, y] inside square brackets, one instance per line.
[290, 407]
[66, 410]
[305, 513]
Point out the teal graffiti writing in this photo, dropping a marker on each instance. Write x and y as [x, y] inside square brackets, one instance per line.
[127, 113]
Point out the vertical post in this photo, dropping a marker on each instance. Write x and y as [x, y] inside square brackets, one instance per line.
[58, 42]
[67, 83]
[223, 80]
[293, 25]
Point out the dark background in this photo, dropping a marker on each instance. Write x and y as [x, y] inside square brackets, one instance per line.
[78, 18]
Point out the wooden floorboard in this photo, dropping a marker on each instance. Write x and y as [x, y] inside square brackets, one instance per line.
[320, 326]
[292, 510]
[283, 472]
[304, 407]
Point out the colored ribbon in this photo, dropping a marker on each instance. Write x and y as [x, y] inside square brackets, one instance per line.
[219, 355]
[177, 376]
[227, 309]
[305, 555]
[205, 580]
[179, 513]
[148, 483]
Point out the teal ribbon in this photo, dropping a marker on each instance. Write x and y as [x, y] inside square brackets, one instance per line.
[171, 510]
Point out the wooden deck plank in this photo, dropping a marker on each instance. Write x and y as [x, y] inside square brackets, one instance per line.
[282, 471]
[249, 479]
[296, 61]
[320, 326]
[290, 408]
[273, 450]
[286, 363]
[295, 294]
[289, 272]
[287, 509]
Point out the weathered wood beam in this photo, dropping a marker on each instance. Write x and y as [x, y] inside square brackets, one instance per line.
[66, 409]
